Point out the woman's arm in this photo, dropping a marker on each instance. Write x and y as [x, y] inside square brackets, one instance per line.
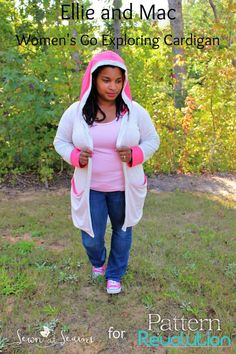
[149, 138]
[63, 140]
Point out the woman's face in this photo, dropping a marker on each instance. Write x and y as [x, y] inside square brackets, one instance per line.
[109, 83]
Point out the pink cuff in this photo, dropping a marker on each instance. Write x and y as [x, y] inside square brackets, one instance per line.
[137, 156]
[74, 158]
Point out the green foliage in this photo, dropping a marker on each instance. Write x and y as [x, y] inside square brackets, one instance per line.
[148, 301]
[230, 270]
[50, 310]
[39, 82]
[64, 277]
[51, 325]
[3, 343]
[24, 247]
[14, 285]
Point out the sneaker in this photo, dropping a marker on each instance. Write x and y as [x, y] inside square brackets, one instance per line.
[98, 271]
[113, 287]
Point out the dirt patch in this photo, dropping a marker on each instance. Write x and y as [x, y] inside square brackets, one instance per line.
[30, 194]
[25, 237]
[54, 246]
[223, 185]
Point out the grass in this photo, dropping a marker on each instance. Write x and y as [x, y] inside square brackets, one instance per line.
[182, 264]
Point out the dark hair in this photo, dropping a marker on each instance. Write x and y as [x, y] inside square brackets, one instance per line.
[91, 106]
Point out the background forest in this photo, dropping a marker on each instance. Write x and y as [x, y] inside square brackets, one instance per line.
[189, 92]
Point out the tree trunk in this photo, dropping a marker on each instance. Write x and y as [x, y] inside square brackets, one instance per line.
[116, 24]
[75, 55]
[213, 9]
[179, 68]
[58, 12]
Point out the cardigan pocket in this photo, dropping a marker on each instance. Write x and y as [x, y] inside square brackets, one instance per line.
[137, 195]
[80, 205]
[77, 200]
[76, 193]
[77, 207]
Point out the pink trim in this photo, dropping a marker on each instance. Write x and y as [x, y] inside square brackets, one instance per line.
[74, 188]
[123, 112]
[73, 185]
[74, 158]
[99, 270]
[113, 284]
[137, 156]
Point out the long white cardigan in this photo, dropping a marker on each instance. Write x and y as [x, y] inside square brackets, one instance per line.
[136, 129]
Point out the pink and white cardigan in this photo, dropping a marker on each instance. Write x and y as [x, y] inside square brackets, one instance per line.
[137, 131]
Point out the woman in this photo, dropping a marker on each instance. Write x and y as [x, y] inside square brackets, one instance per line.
[106, 136]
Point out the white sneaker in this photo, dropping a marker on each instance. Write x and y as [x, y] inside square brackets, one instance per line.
[98, 271]
[113, 287]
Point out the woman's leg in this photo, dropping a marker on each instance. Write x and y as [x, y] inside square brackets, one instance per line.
[121, 240]
[95, 247]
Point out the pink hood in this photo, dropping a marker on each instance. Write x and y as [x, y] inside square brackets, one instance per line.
[104, 58]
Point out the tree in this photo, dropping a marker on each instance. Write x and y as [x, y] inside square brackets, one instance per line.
[179, 68]
[231, 38]
[116, 23]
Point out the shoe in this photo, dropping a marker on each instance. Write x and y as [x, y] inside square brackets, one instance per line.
[113, 287]
[98, 271]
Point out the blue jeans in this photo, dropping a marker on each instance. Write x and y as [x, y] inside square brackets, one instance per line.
[103, 204]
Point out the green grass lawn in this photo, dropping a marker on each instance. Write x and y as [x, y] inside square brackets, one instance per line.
[182, 264]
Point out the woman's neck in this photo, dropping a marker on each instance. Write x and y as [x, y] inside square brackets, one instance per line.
[106, 105]
[109, 108]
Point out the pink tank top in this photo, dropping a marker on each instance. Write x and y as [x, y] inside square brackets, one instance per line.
[107, 171]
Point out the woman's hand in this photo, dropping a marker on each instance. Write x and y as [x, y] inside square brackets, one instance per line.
[84, 156]
[125, 154]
